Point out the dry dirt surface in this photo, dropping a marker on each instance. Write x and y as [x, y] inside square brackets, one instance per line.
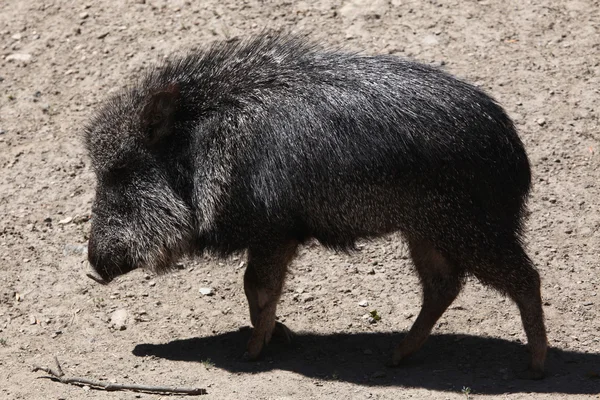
[59, 59]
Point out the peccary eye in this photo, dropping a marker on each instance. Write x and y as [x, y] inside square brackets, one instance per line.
[117, 171]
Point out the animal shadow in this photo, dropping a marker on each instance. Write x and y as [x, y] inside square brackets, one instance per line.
[445, 363]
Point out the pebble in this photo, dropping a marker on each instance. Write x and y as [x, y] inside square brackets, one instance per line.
[430, 40]
[84, 15]
[118, 319]
[17, 36]
[75, 249]
[541, 121]
[306, 297]
[65, 221]
[363, 303]
[207, 291]
[19, 57]
[32, 320]
[2, 131]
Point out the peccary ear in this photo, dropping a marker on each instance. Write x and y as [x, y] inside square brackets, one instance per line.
[158, 114]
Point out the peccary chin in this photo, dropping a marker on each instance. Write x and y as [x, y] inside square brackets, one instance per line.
[271, 138]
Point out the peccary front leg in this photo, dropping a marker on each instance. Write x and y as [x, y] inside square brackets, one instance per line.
[263, 282]
[441, 282]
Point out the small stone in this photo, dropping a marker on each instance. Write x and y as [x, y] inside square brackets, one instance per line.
[430, 40]
[2, 131]
[84, 15]
[17, 36]
[65, 221]
[118, 319]
[103, 35]
[24, 57]
[80, 219]
[541, 121]
[363, 303]
[32, 320]
[152, 283]
[306, 297]
[207, 291]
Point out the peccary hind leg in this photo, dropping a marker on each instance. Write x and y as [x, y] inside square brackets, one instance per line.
[441, 282]
[513, 273]
[263, 282]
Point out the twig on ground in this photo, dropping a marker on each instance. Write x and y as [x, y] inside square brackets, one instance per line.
[58, 375]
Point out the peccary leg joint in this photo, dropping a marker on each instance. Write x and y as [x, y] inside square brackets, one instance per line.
[263, 282]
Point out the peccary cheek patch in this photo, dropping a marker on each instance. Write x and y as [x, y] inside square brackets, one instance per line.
[158, 115]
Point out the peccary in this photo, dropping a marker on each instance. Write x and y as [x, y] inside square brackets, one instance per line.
[261, 144]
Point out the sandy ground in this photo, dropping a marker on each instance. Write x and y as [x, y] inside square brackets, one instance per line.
[59, 58]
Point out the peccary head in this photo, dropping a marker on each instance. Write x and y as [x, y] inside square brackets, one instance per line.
[141, 215]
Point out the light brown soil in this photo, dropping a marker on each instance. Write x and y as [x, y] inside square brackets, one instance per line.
[539, 58]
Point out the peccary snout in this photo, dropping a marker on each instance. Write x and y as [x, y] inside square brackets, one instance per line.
[108, 264]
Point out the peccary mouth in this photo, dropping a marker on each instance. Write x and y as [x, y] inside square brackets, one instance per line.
[97, 278]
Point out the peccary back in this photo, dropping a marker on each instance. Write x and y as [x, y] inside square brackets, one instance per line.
[317, 143]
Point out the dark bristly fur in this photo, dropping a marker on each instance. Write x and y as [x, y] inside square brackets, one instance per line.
[262, 144]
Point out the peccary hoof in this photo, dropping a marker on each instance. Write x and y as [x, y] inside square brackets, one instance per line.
[248, 358]
[531, 374]
[283, 333]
